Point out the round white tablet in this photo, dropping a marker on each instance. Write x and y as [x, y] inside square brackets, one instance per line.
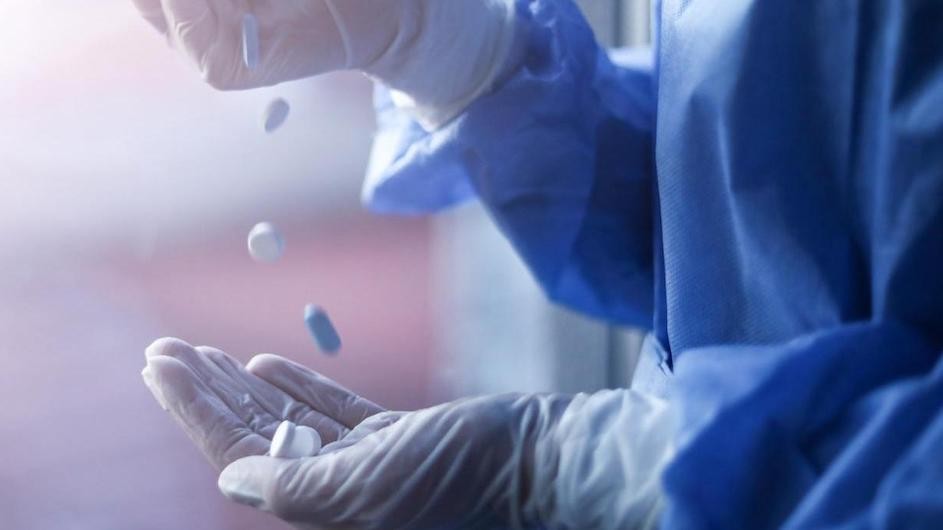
[266, 243]
[295, 441]
[275, 114]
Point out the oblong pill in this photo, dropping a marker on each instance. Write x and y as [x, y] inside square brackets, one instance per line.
[250, 41]
[322, 329]
[275, 114]
[265, 243]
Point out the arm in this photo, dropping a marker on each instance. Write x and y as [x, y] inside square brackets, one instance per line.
[560, 154]
[839, 428]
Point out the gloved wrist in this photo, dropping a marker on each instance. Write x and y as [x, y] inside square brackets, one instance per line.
[436, 57]
[599, 464]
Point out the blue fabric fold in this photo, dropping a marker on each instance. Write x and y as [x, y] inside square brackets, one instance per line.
[768, 201]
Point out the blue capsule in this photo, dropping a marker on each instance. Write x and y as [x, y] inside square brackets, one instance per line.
[250, 41]
[321, 328]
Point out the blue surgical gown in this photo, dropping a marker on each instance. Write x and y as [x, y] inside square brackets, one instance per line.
[764, 193]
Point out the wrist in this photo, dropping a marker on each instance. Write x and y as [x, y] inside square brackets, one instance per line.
[446, 55]
[599, 463]
[539, 458]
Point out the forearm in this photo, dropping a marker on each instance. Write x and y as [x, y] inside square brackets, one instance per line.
[559, 153]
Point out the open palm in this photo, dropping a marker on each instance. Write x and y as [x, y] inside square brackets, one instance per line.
[231, 412]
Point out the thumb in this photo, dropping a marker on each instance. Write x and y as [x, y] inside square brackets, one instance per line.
[247, 480]
[328, 490]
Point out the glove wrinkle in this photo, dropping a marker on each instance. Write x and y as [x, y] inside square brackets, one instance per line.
[345, 35]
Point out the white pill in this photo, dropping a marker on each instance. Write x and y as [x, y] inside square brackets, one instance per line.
[265, 242]
[322, 329]
[294, 441]
[275, 114]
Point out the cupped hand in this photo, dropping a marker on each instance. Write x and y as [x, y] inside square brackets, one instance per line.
[465, 464]
[231, 413]
[589, 460]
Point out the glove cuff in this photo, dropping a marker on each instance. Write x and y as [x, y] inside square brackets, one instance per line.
[446, 55]
[600, 465]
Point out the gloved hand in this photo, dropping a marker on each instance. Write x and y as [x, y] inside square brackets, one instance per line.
[586, 461]
[438, 55]
[230, 413]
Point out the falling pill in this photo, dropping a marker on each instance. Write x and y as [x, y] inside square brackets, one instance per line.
[250, 41]
[275, 114]
[321, 328]
[266, 243]
[294, 441]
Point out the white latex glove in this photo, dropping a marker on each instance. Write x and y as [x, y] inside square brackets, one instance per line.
[438, 55]
[589, 461]
[230, 413]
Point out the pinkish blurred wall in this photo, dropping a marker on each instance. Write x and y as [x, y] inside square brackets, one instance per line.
[85, 446]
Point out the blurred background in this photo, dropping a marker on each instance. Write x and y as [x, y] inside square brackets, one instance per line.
[127, 189]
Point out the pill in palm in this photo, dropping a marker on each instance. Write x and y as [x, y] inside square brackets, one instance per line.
[322, 329]
[266, 243]
[250, 41]
[294, 441]
[275, 114]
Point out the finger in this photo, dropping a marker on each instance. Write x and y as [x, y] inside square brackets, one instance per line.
[276, 402]
[298, 38]
[152, 11]
[244, 481]
[210, 33]
[211, 425]
[193, 23]
[240, 399]
[308, 386]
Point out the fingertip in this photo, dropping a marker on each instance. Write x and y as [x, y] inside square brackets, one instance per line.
[172, 378]
[264, 363]
[148, 376]
[167, 347]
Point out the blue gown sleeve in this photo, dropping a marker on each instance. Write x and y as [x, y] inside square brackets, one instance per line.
[841, 425]
[839, 428]
[560, 154]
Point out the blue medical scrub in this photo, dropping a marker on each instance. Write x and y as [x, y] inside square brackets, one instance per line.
[765, 194]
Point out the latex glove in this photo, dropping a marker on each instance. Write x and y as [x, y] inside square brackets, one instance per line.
[585, 461]
[438, 55]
